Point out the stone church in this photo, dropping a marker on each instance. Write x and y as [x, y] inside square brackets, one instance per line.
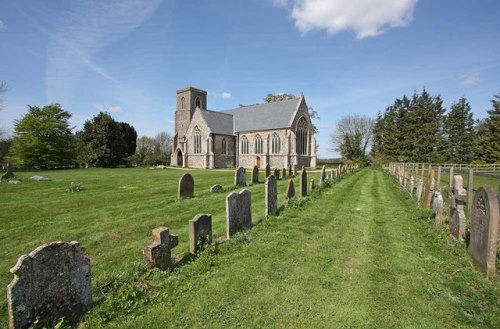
[279, 134]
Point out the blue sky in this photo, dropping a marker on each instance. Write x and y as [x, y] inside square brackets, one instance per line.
[346, 57]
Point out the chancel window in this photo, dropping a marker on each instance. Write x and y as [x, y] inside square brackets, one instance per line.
[302, 138]
[244, 145]
[275, 144]
[197, 140]
[258, 145]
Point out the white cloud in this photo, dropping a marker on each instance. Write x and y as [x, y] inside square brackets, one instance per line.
[470, 79]
[2, 26]
[367, 18]
[223, 95]
[108, 108]
[86, 30]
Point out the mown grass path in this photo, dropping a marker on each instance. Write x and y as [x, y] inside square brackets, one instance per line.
[358, 255]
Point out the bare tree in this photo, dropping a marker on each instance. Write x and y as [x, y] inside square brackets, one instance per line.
[352, 137]
[164, 141]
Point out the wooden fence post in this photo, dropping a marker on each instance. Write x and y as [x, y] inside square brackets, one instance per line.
[470, 191]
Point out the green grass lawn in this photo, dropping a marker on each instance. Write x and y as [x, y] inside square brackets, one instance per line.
[357, 254]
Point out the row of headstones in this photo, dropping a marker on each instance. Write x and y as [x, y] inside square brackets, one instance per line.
[484, 210]
[54, 280]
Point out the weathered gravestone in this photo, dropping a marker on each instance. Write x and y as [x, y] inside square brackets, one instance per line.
[290, 190]
[290, 173]
[457, 211]
[276, 173]
[437, 206]
[159, 253]
[186, 187]
[303, 182]
[240, 177]
[271, 197]
[322, 177]
[268, 170]
[217, 188]
[294, 170]
[9, 174]
[484, 230]
[238, 212]
[255, 175]
[200, 232]
[50, 283]
[312, 186]
[283, 173]
[429, 191]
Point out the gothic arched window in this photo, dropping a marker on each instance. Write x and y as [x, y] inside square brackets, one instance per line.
[302, 132]
[244, 145]
[276, 144]
[258, 145]
[183, 103]
[197, 140]
[197, 102]
[224, 146]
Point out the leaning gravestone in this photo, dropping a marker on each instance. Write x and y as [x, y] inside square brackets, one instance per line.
[322, 177]
[290, 190]
[50, 283]
[303, 182]
[9, 174]
[255, 175]
[276, 173]
[437, 206]
[238, 212]
[484, 230]
[186, 187]
[200, 232]
[240, 177]
[283, 173]
[268, 170]
[457, 212]
[217, 188]
[271, 197]
[158, 253]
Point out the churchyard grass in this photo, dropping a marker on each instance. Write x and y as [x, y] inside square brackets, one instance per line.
[359, 254]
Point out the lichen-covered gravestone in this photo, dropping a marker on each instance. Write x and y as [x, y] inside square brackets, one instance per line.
[484, 230]
[437, 206]
[200, 232]
[322, 177]
[240, 177]
[217, 188]
[271, 197]
[268, 170]
[303, 182]
[290, 190]
[186, 187]
[159, 253]
[50, 283]
[255, 175]
[457, 211]
[238, 212]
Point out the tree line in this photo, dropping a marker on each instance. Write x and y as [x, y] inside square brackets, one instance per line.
[43, 138]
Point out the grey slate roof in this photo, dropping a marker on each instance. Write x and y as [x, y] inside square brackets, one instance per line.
[218, 122]
[266, 116]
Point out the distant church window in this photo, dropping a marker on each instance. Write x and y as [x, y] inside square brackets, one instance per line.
[183, 103]
[244, 145]
[301, 145]
[198, 102]
[224, 146]
[197, 141]
[276, 144]
[258, 145]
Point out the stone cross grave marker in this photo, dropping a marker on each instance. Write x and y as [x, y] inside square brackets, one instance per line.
[271, 197]
[268, 170]
[437, 206]
[484, 230]
[52, 282]
[238, 212]
[186, 187]
[283, 173]
[303, 182]
[290, 190]
[200, 232]
[457, 211]
[255, 175]
[322, 177]
[240, 177]
[276, 173]
[159, 253]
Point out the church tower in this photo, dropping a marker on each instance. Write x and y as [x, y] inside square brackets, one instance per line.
[188, 99]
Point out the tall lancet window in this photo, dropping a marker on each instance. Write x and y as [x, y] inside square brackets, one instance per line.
[244, 145]
[183, 103]
[198, 102]
[276, 144]
[302, 136]
[197, 140]
[258, 145]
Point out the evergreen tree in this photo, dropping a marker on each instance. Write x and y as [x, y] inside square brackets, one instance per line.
[459, 130]
[488, 135]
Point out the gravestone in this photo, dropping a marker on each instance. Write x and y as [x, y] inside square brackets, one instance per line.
[457, 211]
[158, 253]
[312, 185]
[429, 191]
[217, 188]
[437, 206]
[268, 170]
[484, 230]
[303, 182]
[276, 173]
[290, 173]
[290, 190]
[238, 212]
[255, 175]
[240, 177]
[271, 197]
[186, 187]
[294, 168]
[283, 173]
[52, 282]
[322, 177]
[9, 174]
[200, 232]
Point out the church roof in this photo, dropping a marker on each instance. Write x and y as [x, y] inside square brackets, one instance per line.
[218, 122]
[265, 116]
